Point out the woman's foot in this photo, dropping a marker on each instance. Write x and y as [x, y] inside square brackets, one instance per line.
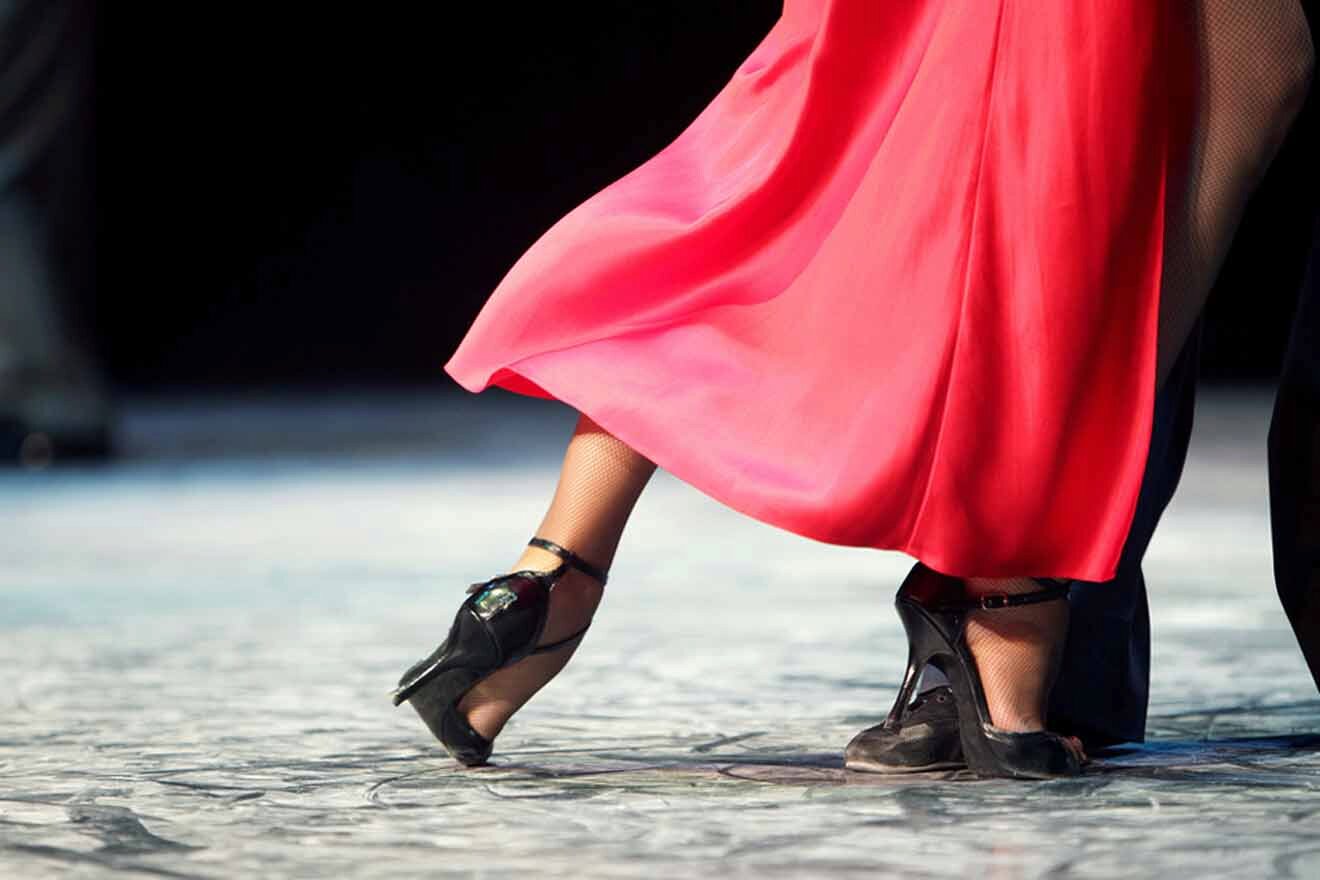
[1017, 652]
[464, 691]
[600, 482]
[490, 703]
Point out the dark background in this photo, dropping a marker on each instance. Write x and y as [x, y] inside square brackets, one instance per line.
[315, 195]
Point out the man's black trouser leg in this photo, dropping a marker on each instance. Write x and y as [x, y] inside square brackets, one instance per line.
[1104, 681]
[1103, 686]
[1294, 456]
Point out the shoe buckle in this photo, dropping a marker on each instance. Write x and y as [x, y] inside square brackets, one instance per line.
[494, 600]
[994, 601]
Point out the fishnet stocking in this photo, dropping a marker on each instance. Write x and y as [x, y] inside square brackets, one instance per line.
[600, 482]
[1255, 65]
[1255, 68]
[1017, 652]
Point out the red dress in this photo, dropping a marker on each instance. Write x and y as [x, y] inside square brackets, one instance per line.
[896, 286]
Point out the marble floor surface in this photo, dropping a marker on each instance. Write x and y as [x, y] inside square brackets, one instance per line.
[196, 644]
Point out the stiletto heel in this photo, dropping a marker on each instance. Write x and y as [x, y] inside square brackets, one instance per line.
[934, 610]
[904, 699]
[499, 624]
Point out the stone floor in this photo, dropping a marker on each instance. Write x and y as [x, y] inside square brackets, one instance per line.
[197, 643]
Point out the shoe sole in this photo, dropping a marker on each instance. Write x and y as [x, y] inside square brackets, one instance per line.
[432, 702]
[863, 766]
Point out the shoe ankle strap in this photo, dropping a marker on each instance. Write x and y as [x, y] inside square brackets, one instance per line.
[571, 558]
[1051, 590]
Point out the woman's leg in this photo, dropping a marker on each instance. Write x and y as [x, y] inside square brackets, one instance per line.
[1257, 62]
[1256, 65]
[601, 480]
[1017, 652]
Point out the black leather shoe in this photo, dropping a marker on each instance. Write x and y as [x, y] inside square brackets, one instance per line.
[499, 624]
[927, 740]
[934, 609]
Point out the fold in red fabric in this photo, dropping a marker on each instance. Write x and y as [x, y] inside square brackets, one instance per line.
[895, 287]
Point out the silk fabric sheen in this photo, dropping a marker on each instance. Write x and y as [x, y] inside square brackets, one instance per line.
[896, 286]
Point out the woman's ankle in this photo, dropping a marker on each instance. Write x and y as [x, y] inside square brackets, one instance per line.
[574, 598]
[1017, 651]
[573, 603]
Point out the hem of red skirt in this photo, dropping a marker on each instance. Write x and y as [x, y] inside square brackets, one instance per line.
[519, 380]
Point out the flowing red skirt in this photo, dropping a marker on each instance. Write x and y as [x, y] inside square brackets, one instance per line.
[895, 287]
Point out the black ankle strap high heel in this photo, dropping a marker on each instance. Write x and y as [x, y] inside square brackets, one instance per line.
[934, 609]
[499, 624]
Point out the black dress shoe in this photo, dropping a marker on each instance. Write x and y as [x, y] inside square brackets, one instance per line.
[935, 609]
[927, 740]
[500, 623]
